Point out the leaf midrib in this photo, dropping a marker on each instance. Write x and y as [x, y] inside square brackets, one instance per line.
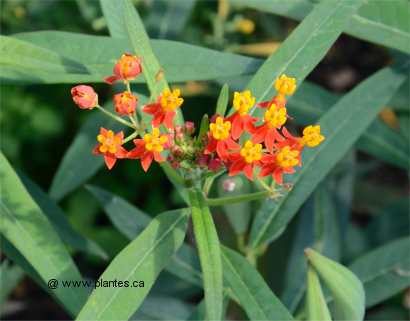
[139, 263]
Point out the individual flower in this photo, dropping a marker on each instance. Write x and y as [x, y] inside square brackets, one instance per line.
[240, 119]
[278, 100]
[84, 96]
[127, 68]
[164, 108]
[281, 162]
[248, 157]
[219, 139]
[109, 145]
[285, 85]
[149, 148]
[311, 136]
[274, 118]
[125, 103]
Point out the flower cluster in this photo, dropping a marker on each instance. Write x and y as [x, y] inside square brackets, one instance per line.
[240, 142]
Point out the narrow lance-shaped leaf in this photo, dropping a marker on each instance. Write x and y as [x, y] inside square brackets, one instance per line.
[386, 265]
[98, 54]
[29, 231]
[209, 254]
[346, 288]
[142, 260]
[222, 102]
[315, 301]
[253, 293]
[57, 217]
[131, 221]
[342, 125]
[305, 47]
[384, 22]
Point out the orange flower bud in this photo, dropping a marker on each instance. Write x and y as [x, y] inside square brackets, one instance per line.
[125, 103]
[127, 68]
[84, 96]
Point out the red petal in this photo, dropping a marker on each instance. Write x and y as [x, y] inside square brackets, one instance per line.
[151, 108]
[270, 139]
[264, 104]
[222, 150]
[121, 152]
[260, 133]
[231, 144]
[111, 79]
[248, 169]
[168, 119]
[277, 176]
[158, 158]
[211, 147]
[158, 119]
[110, 160]
[96, 150]
[146, 161]
[236, 167]
[237, 127]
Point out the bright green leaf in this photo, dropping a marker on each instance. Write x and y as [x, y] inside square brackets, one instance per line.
[316, 306]
[26, 227]
[209, 254]
[249, 287]
[222, 102]
[346, 288]
[143, 259]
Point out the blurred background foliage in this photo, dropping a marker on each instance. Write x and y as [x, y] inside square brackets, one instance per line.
[38, 123]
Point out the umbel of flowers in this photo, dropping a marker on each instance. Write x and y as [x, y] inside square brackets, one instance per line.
[238, 143]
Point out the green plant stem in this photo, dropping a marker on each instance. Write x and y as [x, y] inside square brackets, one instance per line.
[130, 137]
[116, 118]
[237, 198]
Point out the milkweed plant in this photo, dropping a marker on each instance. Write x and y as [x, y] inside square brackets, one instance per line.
[273, 147]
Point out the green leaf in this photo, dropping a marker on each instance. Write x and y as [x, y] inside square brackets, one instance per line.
[346, 288]
[305, 47]
[383, 22]
[79, 164]
[222, 102]
[59, 221]
[239, 214]
[342, 125]
[315, 301]
[115, 21]
[167, 18]
[249, 287]
[29, 231]
[143, 259]
[209, 254]
[317, 227]
[163, 308]
[384, 271]
[97, 54]
[10, 276]
[130, 221]
[20, 59]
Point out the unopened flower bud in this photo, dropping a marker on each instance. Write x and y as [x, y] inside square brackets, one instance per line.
[125, 103]
[189, 127]
[84, 96]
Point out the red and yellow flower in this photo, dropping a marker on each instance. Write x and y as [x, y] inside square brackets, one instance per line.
[246, 159]
[84, 96]
[149, 148]
[274, 118]
[219, 139]
[164, 108]
[125, 103]
[281, 162]
[128, 67]
[240, 119]
[110, 146]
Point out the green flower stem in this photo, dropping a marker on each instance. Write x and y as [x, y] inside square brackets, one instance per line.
[173, 174]
[130, 137]
[209, 251]
[237, 198]
[118, 119]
